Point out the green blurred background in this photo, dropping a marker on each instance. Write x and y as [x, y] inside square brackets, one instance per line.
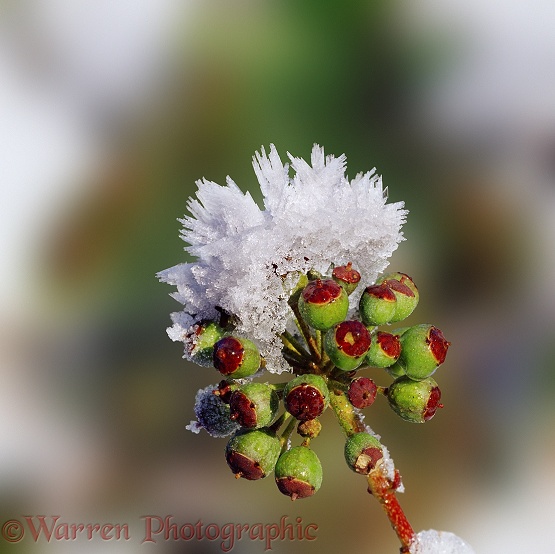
[111, 110]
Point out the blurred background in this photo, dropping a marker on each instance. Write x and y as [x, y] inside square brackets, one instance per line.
[109, 112]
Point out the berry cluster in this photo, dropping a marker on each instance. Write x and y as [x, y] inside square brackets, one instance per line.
[325, 353]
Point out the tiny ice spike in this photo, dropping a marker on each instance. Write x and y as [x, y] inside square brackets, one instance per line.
[294, 289]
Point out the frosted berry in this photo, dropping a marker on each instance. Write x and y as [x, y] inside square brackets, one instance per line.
[298, 472]
[362, 392]
[414, 401]
[306, 396]
[252, 454]
[200, 340]
[347, 344]
[423, 349]
[213, 414]
[254, 405]
[384, 350]
[362, 452]
[323, 303]
[377, 305]
[346, 276]
[236, 357]
[405, 292]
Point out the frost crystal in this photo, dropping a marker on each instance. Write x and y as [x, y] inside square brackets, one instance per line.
[249, 260]
[439, 542]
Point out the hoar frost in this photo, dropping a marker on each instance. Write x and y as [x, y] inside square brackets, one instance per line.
[248, 260]
[439, 542]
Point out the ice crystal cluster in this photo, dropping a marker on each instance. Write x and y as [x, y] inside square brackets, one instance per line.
[248, 260]
[439, 542]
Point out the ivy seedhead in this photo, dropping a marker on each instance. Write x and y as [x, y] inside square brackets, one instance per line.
[298, 472]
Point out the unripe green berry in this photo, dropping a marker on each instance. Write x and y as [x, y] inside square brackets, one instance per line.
[414, 401]
[384, 350]
[405, 292]
[323, 303]
[306, 396]
[423, 349]
[254, 405]
[252, 454]
[298, 472]
[362, 452]
[212, 413]
[377, 305]
[236, 357]
[347, 344]
[346, 277]
[199, 342]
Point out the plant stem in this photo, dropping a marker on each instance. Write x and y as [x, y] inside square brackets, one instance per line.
[291, 343]
[287, 433]
[305, 330]
[383, 489]
[348, 419]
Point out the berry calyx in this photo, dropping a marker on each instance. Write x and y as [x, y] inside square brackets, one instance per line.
[310, 428]
[423, 350]
[414, 401]
[254, 405]
[323, 303]
[384, 350]
[362, 452]
[252, 454]
[306, 396]
[346, 277]
[362, 392]
[405, 292]
[377, 304]
[298, 472]
[346, 344]
[236, 357]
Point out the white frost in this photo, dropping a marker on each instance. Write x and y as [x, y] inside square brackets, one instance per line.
[248, 259]
[439, 542]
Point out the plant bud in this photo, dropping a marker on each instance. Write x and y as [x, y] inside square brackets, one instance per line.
[236, 357]
[252, 454]
[346, 277]
[362, 392]
[199, 342]
[310, 428]
[362, 452]
[377, 304]
[298, 472]
[405, 292]
[384, 350]
[254, 405]
[306, 396]
[423, 349]
[414, 401]
[323, 303]
[347, 344]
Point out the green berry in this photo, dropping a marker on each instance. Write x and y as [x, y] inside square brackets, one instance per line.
[323, 303]
[298, 472]
[384, 350]
[377, 305]
[213, 413]
[362, 452]
[306, 396]
[347, 344]
[414, 401]
[423, 349]
[405, 292]
[199, 342]
[346, 277]
[254, 405]
[252, 454]
[236, 357]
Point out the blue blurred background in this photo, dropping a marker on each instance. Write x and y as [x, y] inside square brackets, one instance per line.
[110, 110]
